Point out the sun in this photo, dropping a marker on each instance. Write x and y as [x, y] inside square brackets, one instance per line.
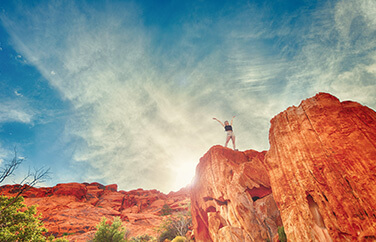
[184, 173]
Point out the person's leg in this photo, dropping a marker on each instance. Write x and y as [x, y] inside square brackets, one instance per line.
[227, 140]
[233, 141]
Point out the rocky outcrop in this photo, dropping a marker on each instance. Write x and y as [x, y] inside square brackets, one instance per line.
[322, 164]
[74, 209]
[231, 197]
[319, 174]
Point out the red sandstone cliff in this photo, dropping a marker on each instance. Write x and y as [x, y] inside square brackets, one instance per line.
[322, 164]
[320, 169]
[231, 197]
[74, 209]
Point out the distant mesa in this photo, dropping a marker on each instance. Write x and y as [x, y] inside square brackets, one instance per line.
[74, 209]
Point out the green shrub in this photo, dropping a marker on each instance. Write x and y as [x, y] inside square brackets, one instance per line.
[111, 232]
[18, 223]
[143, 238]
[51, 238]
[168, 234]
[166, 210]
[281, 234]
[179, 239]
[175, 226]
[58, 240]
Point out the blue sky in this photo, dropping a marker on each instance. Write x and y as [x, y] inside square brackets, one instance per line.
[125, 91]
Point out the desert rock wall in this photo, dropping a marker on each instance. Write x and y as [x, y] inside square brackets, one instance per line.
[322, 164]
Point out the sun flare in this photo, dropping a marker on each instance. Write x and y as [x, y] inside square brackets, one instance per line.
[184, 173]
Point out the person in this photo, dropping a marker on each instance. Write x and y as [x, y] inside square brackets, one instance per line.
[229, 131]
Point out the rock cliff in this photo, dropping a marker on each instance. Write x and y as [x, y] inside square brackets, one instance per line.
[322, 164]
[317, 179]
[231, 197]
[74, 209]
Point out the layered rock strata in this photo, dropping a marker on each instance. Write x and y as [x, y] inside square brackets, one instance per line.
[231, 197]
[74, 209]
[322, 168]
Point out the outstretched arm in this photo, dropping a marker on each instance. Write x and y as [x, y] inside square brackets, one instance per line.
[232, 119]
[219, 122]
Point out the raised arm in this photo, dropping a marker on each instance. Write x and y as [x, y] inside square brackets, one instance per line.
[219, 122]
[232, 119]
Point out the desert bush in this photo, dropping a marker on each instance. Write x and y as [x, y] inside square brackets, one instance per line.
[175, 226]
[166, 210]
[18, 222]
[179, 239]
[111, 232]
[143, 238]
[281, 234]
[51, 238]
[61, 240]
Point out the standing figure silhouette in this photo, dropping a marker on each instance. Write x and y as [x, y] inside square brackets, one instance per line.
[229, 131]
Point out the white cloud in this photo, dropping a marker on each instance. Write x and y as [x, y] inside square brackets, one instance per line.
[18, 94]
[5, 154]
[134, 128]
[16, 111]
[337, 54]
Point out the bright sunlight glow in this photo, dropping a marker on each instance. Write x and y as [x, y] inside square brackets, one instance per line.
[184, 173]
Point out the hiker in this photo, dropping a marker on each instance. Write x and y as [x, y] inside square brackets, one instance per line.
[229, 131]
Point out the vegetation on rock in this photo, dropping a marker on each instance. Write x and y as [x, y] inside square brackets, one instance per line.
[18, 222]
[111, 231]
[166, 210]
[175, 226]
[143, 238]
[281, 234]
[179, 239]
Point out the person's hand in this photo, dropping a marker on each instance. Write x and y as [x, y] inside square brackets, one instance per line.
[214, 118]
[233, 116]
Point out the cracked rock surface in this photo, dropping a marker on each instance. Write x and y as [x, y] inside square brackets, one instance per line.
[231, 197]
[318, 179]
[322, 164]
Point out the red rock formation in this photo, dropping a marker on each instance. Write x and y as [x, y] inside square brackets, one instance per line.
[231, 197]
[75, 209]
[322, 164]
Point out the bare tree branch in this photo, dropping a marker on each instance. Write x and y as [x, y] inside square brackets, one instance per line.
[10, 167]
[29, 181]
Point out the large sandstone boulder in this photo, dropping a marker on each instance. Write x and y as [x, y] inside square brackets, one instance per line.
[232, 199]
[322, 168]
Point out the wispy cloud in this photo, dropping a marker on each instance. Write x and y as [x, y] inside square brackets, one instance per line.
[4, 154]
[338, 53]
[144, 98]
[16, 111]
[134, 126]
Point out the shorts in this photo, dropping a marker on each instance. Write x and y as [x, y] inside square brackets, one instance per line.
[230, 134]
